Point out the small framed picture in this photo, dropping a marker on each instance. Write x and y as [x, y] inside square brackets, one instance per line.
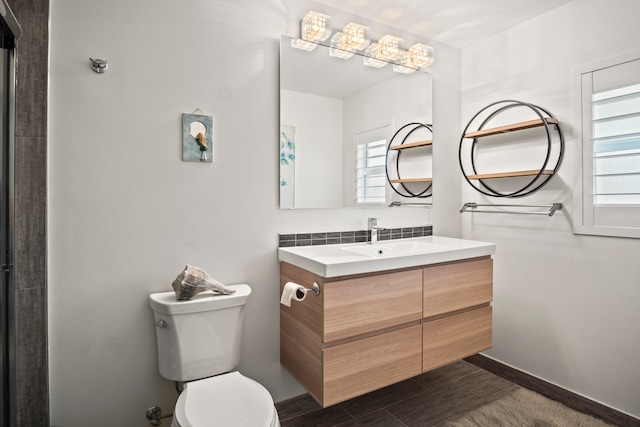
[197, 138]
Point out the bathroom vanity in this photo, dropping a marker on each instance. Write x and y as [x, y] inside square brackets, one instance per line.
[385, 312]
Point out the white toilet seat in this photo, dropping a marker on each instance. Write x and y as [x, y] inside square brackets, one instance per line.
[229, 400]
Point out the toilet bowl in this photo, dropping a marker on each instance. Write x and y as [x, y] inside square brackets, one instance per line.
[199, 346]
[228, 400]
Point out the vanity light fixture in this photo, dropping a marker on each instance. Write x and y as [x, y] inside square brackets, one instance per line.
[421, 55]
[387, 50]
[304, 45]
[418, 56]
[370, 57]
[315, 28]
[352, 38]
[404, 65]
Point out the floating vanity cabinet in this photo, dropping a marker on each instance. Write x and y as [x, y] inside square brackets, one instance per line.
[457, 311]
[367, 331]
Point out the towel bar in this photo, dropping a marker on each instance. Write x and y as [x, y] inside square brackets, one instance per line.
[396, 204]
[472, 207]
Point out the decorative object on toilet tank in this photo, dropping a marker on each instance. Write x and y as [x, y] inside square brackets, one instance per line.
[197, 139]
[194, 280]
[499, 165]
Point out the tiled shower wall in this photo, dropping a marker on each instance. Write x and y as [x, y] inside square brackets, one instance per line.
[30, 231]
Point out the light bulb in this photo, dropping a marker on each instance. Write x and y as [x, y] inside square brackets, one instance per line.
[421, 55]
[389, 48]
[403, 64]
[370, 56]
[355, 36]
[304, 45]
[315, 27]
[339, 48]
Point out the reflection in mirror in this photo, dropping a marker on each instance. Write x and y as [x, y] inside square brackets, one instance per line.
[337, 118]
[410, 147]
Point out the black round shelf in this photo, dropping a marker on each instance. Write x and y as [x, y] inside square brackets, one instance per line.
[539, 177]
[402, 135]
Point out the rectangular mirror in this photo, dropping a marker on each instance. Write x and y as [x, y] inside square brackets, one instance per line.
[337, 114]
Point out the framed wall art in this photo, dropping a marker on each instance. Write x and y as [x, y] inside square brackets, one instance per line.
[197, 138]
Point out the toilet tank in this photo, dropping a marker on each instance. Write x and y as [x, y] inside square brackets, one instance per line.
[200, 337]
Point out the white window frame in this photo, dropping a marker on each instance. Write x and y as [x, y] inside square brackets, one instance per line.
[378, 133]
[583, 212]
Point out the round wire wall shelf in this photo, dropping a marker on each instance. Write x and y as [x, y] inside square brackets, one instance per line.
[409, 136]
[533, 179]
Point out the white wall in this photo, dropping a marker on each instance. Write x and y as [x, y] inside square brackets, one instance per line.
[318, 123]
[565, 306]
[126, 214]
[401, 99]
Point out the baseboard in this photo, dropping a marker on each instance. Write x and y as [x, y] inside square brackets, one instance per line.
[552, 391]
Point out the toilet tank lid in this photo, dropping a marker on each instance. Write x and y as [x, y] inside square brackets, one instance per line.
[166, 302]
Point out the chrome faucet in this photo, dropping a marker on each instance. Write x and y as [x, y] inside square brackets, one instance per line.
[373, 230]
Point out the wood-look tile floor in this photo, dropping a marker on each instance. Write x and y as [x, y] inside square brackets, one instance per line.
[430, 399]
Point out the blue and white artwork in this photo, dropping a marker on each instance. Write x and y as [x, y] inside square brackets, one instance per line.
[287, 166]
[197, 138]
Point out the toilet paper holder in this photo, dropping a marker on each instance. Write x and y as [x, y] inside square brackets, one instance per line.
[315, 288]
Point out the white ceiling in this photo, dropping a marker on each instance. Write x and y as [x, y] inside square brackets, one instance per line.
[456, 23]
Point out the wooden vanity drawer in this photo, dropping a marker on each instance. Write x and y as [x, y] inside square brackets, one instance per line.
[372, 303]
[456, 286]
[455, 337]
[358, 367]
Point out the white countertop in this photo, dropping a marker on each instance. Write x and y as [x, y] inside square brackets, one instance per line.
[344, 259]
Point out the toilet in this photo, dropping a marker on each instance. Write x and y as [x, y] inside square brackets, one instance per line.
[199, 345]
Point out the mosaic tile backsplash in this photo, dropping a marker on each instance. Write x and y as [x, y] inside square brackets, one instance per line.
[338, 237]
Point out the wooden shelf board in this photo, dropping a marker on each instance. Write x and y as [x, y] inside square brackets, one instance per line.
[409, 180]
[412, 145]
[510, 174]
[511, 128]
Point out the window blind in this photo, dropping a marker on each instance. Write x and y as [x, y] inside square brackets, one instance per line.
[615, 119]
[370, 172]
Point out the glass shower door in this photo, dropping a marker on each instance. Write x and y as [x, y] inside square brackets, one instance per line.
[9, 31]
[5, 252]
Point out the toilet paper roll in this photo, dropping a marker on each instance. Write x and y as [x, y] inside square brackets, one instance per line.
[292, 291]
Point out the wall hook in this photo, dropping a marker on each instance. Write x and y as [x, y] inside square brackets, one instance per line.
[99, 65]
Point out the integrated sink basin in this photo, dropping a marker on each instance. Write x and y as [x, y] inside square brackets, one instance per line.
[392, 248]
[358, 258]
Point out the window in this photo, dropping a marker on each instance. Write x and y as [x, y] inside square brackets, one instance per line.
[615, 115]
[370, 157]
[610, 113]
